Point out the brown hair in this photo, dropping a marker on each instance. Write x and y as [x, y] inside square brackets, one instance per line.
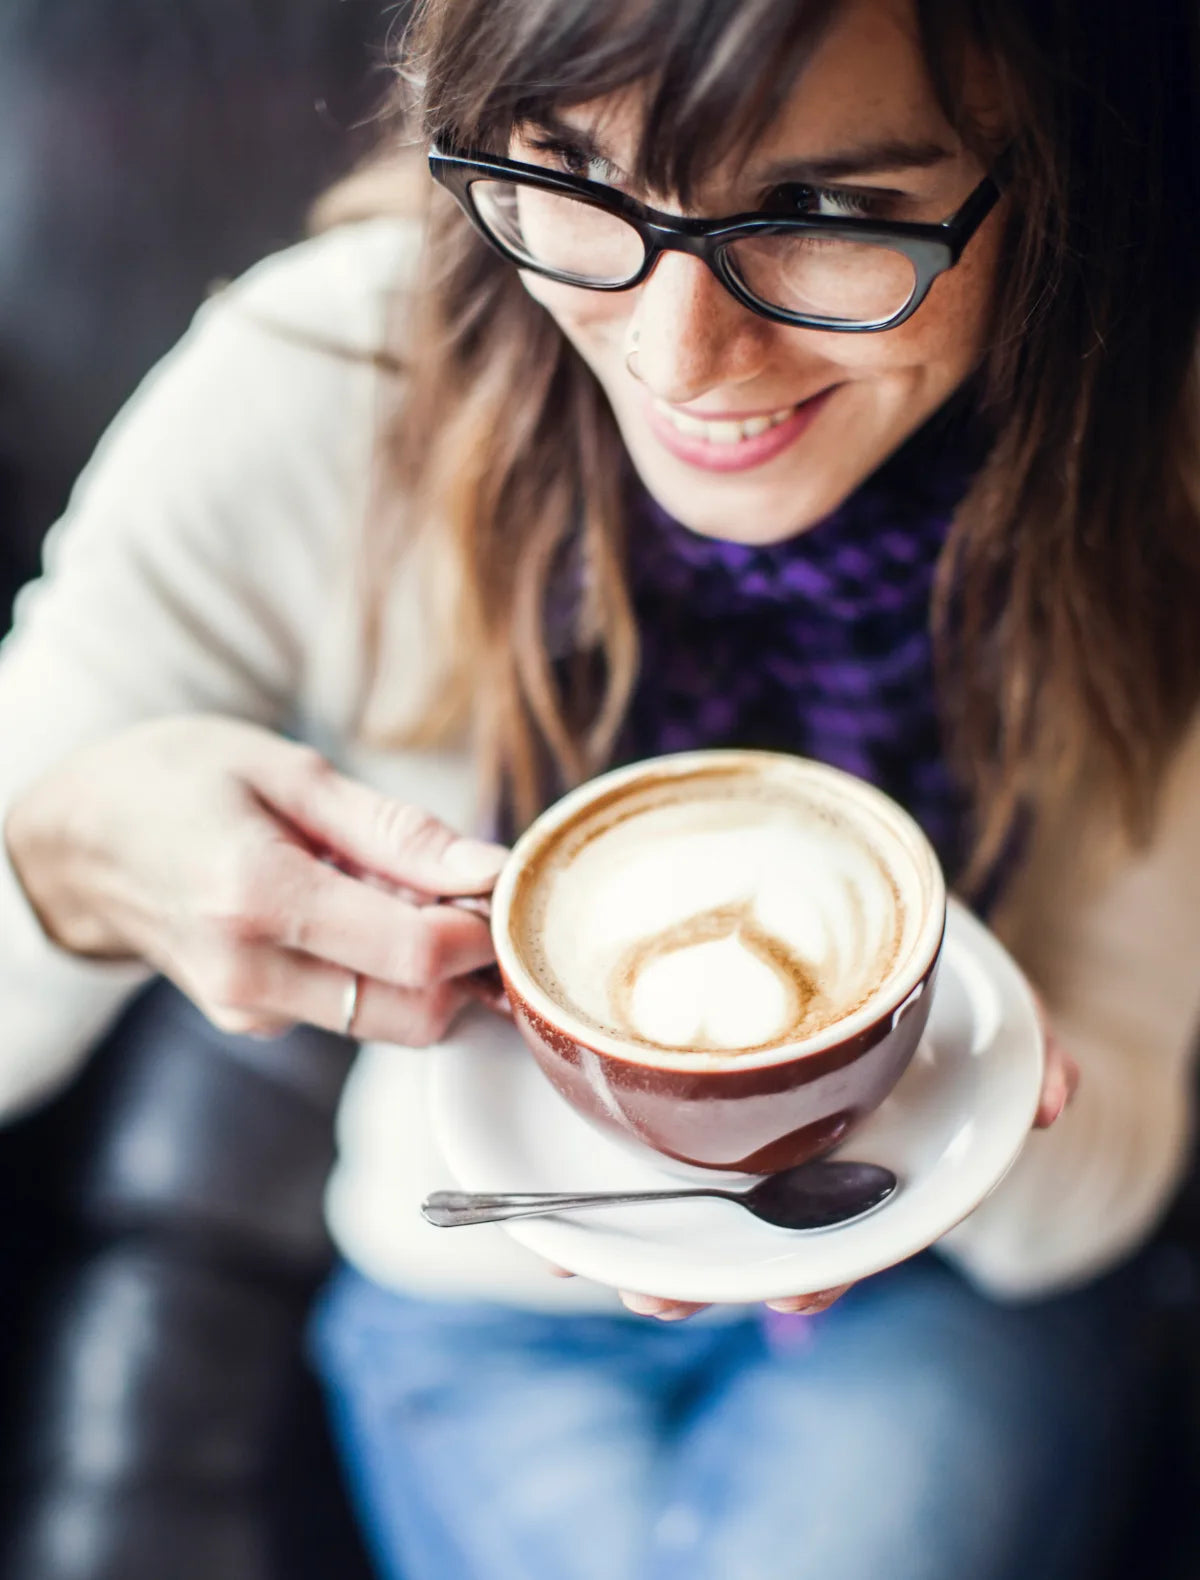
[1067, 596]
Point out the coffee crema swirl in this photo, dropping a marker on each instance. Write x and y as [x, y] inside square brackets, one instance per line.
[721, 912]
[725, 943]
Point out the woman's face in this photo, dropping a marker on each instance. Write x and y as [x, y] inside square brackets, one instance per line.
[704, 365]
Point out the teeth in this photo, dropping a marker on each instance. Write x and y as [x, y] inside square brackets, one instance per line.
[686, 424]
[726, 431]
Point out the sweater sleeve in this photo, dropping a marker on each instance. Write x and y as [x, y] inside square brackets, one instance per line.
[1111, 939]
[187, 575]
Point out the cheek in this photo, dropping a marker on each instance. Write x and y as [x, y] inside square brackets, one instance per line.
[950, 328]
[945, 337]
[594, 321]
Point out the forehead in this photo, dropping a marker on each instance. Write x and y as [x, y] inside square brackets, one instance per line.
[866, 82]
[867, 73]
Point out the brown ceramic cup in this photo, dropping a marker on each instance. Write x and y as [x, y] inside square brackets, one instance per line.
[744, 1112]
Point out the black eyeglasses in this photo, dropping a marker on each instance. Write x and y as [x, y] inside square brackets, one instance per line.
[816, 271]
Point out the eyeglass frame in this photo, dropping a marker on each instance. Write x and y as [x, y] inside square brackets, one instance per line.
[932, 249]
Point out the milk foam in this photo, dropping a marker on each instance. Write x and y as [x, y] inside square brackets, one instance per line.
[719, 921]
[710, 995]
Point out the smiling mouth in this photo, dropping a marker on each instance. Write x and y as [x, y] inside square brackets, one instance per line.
[723, 430]
[727, 442]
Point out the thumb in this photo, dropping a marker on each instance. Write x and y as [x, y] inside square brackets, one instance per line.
[377, 833]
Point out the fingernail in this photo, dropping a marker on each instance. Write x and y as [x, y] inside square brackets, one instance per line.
[474, 861]
[640, 1305]
[674, 1314]
[792, 1308]
[1054, 1100]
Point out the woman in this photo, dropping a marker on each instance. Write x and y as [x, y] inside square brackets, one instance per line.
[472, 521]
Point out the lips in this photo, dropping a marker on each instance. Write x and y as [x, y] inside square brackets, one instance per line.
[731, 442]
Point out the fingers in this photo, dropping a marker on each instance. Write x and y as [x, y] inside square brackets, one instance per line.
[1061, 1078]
[266, 988]
[809, 1305]
[286, 896]
[663, 1310]
[1059, 1084]
[677, 1310]
[374, 831]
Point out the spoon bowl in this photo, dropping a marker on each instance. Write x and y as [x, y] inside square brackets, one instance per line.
[818, 1195]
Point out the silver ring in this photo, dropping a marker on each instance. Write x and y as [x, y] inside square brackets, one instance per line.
[350, 1004]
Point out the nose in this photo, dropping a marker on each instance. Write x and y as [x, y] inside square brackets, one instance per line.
[693, 336]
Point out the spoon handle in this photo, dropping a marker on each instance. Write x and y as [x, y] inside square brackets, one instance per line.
[450, 1208]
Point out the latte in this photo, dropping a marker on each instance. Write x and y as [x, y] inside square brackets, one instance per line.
[727, 910]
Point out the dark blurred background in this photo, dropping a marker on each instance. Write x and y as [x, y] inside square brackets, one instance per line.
[161, 1233]
[148, 148]
[160, 1225]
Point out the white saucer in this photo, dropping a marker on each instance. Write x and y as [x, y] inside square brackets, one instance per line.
[950, 1131]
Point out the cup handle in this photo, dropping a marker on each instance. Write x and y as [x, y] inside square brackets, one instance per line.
[486, 985]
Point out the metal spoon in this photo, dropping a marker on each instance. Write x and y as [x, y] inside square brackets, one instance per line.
[811, 1196]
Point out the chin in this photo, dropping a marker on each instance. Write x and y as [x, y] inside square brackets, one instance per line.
[754, 534]
[757, 518]
[748, 507]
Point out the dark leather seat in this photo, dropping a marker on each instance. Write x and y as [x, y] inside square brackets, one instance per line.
[160, 1225]
[160, 1421]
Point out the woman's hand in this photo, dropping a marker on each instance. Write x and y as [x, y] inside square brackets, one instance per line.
[1059, 1082]
[676, 1310]
[256, 877]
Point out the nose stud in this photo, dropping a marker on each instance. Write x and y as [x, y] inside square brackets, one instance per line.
[631, 348]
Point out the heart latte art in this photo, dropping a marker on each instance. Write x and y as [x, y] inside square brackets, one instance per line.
[721, 911]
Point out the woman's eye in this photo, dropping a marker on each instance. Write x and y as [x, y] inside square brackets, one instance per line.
[574, 161]
[828, 202]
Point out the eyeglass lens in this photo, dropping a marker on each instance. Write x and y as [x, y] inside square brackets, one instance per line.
[813, 276]
[574, 239]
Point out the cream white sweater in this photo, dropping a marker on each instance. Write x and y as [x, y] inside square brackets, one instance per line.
[206, 564]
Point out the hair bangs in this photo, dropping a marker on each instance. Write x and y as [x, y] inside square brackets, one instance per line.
[712, 74]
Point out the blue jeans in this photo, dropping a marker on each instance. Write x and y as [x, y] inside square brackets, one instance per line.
[916, 1431]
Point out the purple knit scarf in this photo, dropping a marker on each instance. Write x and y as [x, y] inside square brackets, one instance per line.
[820, 645]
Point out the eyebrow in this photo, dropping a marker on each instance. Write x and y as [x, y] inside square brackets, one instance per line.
[885, 154]
[891, 153]
[574, 136]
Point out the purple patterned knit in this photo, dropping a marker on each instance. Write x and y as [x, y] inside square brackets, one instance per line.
[820, 645]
